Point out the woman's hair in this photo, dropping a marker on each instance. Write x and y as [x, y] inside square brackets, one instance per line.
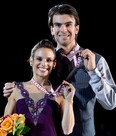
[44, 43]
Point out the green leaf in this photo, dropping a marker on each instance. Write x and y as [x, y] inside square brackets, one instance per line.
[25, 130]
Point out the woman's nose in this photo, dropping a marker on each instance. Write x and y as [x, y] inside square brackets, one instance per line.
[44, 62]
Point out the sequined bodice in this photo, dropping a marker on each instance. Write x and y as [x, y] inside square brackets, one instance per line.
[40, 121]
[30, 102]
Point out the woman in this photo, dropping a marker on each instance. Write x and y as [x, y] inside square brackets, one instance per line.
[47, 112]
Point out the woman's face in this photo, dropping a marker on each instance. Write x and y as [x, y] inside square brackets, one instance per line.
[43, 62]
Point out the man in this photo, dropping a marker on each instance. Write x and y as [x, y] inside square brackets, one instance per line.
[91, 75]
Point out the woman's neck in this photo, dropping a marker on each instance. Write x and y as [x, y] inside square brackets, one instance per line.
[42, 81]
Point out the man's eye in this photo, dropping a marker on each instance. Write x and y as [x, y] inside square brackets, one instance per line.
[67, 25]
[57, 24]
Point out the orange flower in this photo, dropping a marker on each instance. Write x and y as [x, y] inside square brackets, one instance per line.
[2, 132]
[14, 116]
[23, 118]
[7, 124]
[13, 124]
[1, 119]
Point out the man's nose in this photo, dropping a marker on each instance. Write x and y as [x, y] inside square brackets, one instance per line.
[63, 27]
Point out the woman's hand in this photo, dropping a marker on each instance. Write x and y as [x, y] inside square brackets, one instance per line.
[69, 91]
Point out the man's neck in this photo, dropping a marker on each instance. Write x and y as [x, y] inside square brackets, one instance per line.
[66, 49]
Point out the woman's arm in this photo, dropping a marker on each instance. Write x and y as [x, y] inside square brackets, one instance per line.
[68, 120]
[10, 106]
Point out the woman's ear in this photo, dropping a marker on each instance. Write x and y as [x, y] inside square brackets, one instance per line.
[54, 65]
[31, 61]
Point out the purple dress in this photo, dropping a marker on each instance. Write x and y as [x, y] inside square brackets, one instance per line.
[44, 123]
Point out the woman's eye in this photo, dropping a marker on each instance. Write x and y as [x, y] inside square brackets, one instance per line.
[39, 58]
[49, 60]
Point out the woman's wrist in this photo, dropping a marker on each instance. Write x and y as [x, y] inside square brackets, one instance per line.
[69, 101]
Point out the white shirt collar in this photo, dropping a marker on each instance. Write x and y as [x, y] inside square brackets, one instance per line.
[77, 47]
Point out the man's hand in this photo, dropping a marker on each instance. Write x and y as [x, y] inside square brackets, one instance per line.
[7, 89]
[89, 59]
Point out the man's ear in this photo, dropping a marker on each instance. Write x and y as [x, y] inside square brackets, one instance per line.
[52, 32]
[77, 29]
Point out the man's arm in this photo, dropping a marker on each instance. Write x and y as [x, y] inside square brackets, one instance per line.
[103, 85]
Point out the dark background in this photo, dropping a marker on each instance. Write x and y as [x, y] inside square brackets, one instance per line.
[22, 24]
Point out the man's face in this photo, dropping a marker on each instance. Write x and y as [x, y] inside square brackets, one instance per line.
[64, 29]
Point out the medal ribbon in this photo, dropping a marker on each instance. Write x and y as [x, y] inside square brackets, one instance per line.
[40, 87]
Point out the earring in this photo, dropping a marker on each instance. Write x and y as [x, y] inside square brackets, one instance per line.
[53, 67]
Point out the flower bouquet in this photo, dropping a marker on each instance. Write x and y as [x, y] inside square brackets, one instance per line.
[13, 125]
